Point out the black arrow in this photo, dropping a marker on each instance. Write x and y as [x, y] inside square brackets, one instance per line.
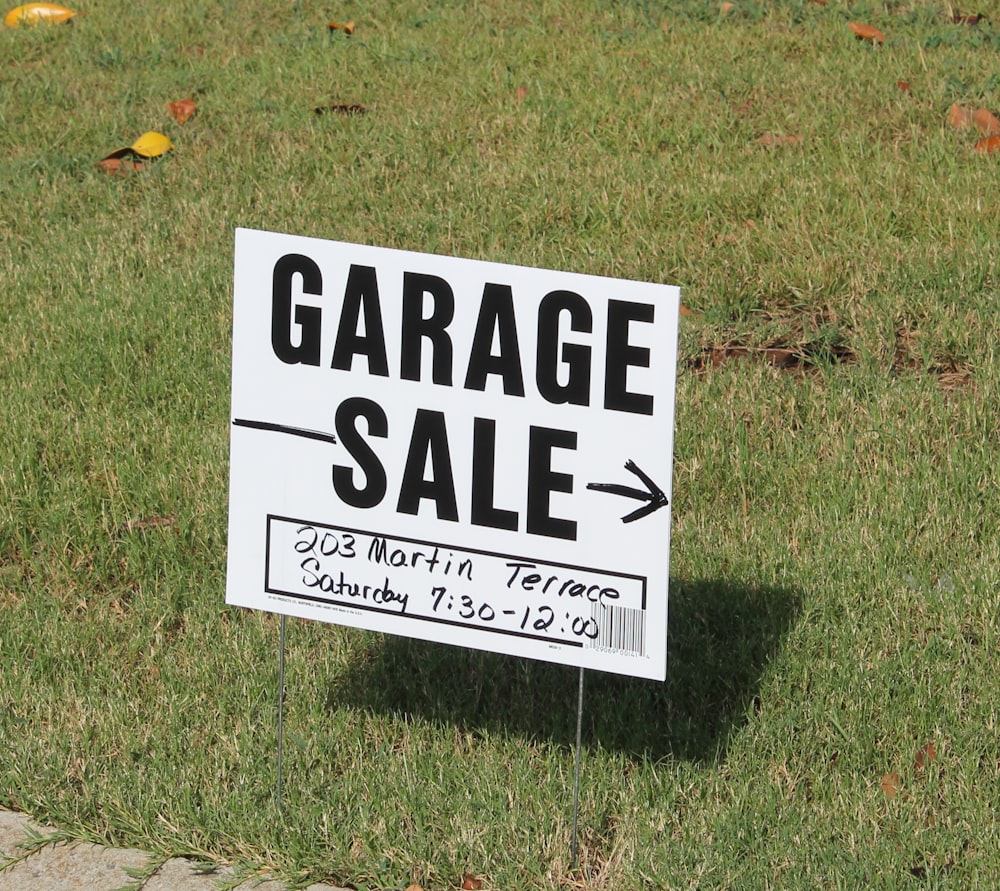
[653, 494]
[284, 428]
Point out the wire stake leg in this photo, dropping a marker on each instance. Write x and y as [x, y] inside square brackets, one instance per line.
[573, 845]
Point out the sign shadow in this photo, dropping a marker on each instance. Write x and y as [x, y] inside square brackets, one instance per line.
[722, 635]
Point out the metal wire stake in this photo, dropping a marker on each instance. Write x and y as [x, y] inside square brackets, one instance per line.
[573, 846]
[281, 703]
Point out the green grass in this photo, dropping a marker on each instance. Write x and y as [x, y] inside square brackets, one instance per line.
[835, 560]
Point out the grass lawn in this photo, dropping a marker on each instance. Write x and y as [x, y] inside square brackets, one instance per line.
[830, 714]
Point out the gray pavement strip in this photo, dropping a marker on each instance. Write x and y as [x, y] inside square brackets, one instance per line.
[29, 863]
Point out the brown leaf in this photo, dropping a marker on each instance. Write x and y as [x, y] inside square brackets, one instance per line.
[970, 20]
[925, 756]
[521, 93]
[981, 118]
[182, 109]
[342, 108]
[121, 162]
[986, 122]
[903, 85]
[988, 145]
[866, 32]
[959, 117]
[120, 166]
[891, 784]
[727, 6]
[471, 883]
[346, 27]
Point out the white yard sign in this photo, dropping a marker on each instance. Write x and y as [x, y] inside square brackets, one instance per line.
[453, 450]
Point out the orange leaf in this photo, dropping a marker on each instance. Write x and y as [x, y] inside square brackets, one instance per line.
[925, 756]
[903, 85]
[986, 122]
[727, 6]
[959, 117]
[521, 93]
[182, 109]
[118, 165]
[980, 118]
[347, 27]
[891, 784]
[866, 32]
[470, 882]
[988, 145]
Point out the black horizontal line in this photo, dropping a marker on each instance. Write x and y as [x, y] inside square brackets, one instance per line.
[284, 428]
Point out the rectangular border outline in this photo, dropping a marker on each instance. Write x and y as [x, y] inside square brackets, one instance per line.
[417, 541]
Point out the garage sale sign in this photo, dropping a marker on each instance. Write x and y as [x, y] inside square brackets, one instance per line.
[453, 450]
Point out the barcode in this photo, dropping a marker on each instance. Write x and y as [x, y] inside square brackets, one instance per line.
[620, 629]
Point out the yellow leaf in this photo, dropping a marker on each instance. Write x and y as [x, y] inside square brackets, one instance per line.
[33, 13]
[152, 145]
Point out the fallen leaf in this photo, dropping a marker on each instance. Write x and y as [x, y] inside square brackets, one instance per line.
[347, 27]
[414, 887]
[117, 165]
[959, 19]
[470, 882]
[925, 756]
[152, 144]
[773, 139]
[342, 108]
[903, 85]
[726, 7]
[959, 117]
[890, 784]
[988, 145]
[866, 32]
[981, 118]
[521, 93]
[33, 13]
[182, 109]
[130, 159]
[986, 122]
